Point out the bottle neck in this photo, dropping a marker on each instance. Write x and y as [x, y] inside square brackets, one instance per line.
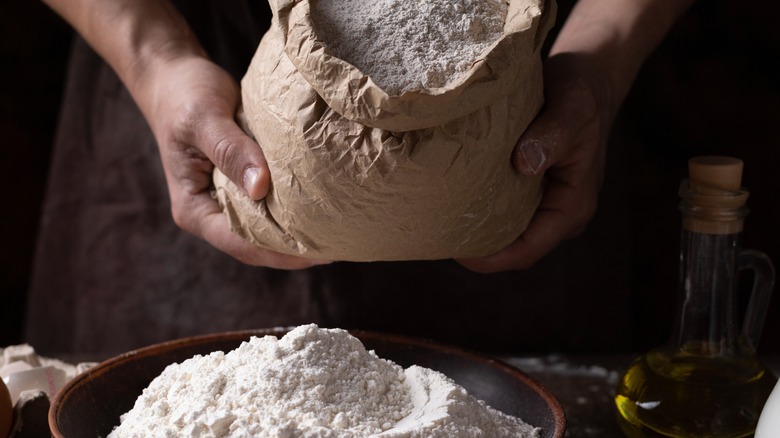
[708, 306]
[711, 241]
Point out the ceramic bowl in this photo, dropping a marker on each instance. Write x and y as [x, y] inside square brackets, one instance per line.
[91, 403]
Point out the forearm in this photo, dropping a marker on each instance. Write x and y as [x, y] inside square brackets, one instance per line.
[133, 36]
[618, 35]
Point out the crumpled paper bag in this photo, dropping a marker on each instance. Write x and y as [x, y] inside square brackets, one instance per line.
[360, 175]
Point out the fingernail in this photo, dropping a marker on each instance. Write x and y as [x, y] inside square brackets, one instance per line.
[251, 175]
[533, 155]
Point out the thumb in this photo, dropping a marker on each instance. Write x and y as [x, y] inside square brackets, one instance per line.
[537, 148]
[238, 156]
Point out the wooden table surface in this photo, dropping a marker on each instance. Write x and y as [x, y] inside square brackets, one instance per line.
[585, 386]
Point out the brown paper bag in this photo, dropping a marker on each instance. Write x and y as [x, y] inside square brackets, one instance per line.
[361, 175]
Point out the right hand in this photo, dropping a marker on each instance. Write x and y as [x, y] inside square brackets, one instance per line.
[190, 104]
[567, 141]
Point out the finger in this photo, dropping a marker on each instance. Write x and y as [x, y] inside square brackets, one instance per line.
[551, 136]
[213, 227]
[563, 214]
[236, 155]
[554, 132]
[538, 148]
[538, 240]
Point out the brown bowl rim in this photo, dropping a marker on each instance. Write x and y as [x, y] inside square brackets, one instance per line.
[552, 402]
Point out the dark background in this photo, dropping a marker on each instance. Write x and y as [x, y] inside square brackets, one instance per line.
[712, 87]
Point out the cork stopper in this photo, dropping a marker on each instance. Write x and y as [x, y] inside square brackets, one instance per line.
[715, 173]
[713, 198]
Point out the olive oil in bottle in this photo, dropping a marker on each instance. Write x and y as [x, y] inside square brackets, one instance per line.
[707, 382]
[666, 393]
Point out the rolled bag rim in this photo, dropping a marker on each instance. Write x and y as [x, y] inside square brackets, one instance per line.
[359, 99]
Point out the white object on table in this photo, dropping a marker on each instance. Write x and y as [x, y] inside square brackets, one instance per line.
[47, 379]
[769, 423]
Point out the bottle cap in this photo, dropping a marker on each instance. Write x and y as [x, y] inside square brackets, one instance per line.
[715, 173]
[713, 198]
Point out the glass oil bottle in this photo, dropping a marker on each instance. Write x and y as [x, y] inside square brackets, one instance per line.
[707, 382]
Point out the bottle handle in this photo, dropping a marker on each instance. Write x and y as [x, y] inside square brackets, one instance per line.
[763, 283]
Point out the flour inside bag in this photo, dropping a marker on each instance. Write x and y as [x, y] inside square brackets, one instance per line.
[388, 146]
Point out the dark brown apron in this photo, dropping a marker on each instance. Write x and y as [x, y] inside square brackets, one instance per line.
[113, 272]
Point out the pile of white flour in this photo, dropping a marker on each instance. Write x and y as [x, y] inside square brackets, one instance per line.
[408, 45]
[311, 383]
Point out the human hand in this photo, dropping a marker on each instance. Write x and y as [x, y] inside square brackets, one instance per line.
[592, 65]
[190, 104]
[567, 140]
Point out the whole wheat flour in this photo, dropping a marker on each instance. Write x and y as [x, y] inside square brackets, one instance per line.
[407, 45]
[312, 383]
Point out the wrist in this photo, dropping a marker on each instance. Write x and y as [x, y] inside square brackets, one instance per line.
[154, 66]
[133, 36]
[614, 37]
[155, 40]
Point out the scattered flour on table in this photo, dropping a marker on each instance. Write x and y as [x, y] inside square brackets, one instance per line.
[311, 383]
[408, 45]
